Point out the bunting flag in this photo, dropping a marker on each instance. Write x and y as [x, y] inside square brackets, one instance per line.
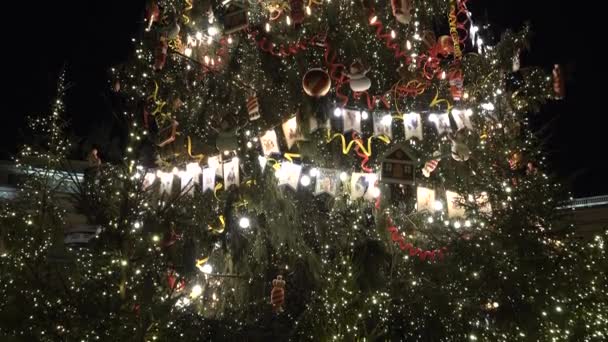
[208, 179]
[462, 118]
[315, 124]
[413, 126]
[382, 124]
[166, 183]
[425, 199]
[362, 185]
[186, 182]
[289, 174]
[269, 143]
[351, 120]
[231, 173]
[214, 163]
[442, 123]
[149, 179]
[455, 209]
[327, 182]
[290, 129]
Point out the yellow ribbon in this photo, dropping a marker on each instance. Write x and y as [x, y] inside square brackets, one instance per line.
[290, 156]
[159, 103]
[186, 9]
[314, 2]
[199, 156]
[201, 262]
[217, 188]
[222, 226]
[436, 101]
[346, 148]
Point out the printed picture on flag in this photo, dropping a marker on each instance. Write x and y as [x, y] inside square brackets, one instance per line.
[231, 173]
[382, 127]
[352, 120]
[327, 182]
[290, 130]
[269, 143]
[208, 179]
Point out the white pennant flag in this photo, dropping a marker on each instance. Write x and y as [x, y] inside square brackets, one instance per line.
[290, 129]
[382, 124]
[327, 182]
[289, 174]
[269, 143]
[352, 120]
[455, 210]
[166, 182]
[214, 163]
[208, 179]
[425, 199]
[363, 185]
[413, 126]
[231, 173]
[149, 179]
[442, 122]
[462, 118]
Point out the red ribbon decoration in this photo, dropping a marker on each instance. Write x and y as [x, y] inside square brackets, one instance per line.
[429, 255]
[284, 51]
[363, 156]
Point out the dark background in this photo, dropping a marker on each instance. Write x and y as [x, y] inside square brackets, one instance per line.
[91, 36]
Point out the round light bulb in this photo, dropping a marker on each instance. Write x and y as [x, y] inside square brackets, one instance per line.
[429, 220]
[212, 30]
[386, 120]
[244, 222]
[249, 144]
[196, 291]
[175, 171]
[364, 115]
[338, 112]
[314, 172]
[457, 224]
[343, 176]
[438, 206]
[305, 180]
[207, 269]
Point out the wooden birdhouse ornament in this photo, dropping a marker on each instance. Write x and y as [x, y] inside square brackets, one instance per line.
[398, 166]
[235, 18]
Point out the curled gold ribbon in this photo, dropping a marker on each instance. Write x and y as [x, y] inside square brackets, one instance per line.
[436, 101]
[221, 228]
[346, 148]
[199, 156]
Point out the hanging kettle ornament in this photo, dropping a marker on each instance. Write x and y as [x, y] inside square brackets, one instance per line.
[358, 81]
[277, 294]
[559, 84]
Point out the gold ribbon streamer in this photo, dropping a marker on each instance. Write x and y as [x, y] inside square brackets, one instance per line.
[199, 156]
[201, 262]
[436, 101]
[290, 156]
[222, 226]
[217, 188]
[186, 9]
[159, 103]
[346, 148]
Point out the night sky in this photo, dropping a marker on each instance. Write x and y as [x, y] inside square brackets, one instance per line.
[91, 36]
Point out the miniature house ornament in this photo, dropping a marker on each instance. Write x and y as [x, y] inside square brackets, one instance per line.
[398, 166]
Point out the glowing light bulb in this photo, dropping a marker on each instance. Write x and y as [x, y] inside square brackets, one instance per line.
[229, 40]
[175, 171]
[136, 225]
[196, 291]
[262, 160]
[267, 27]
[438, 206]
[288, 20]
[207, 269]
[305, 180]
[209, 40]
[188, 52]
[337, 112]
[364, 115]
[199, 35]
[249, 144]
[343, 176]
[487, 106]
[408, 45]
[433, 117]
[244, 222]
[314, 172]
[206, 59]
[373, 19]
[429, 220]
[393, 34]
[443, 75]
[308, 10]
[155, 238]
[212, 30]
[457, 224]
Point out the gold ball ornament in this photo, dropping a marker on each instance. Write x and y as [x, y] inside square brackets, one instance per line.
[316, 82]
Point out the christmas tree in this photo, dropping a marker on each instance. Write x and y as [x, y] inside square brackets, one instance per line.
[321, 170]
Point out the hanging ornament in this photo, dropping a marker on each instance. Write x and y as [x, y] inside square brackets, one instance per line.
[559, 84]
[460, 151]
[516, 161]
[455, 79]
[402, 10]
[316, 82]
[296, 11]
[173, 30]
[152, 13]
[116, 86]
[235, 18]
[431, 165]
[277, 294]
[445, 45]
[358, 81]
[160, 57]
[516, 61]
[253, 108]
[93, 158]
